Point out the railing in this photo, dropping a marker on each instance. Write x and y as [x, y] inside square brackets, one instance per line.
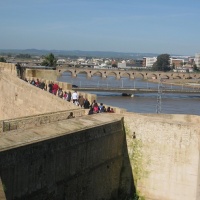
[37, 120]
[134, 85]
[137, 90]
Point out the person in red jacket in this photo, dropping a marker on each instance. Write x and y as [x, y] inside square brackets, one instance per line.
[55, 88]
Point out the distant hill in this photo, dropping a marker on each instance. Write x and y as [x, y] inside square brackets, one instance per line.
[98, 54]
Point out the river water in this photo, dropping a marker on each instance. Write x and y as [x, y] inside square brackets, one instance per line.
[175, 103]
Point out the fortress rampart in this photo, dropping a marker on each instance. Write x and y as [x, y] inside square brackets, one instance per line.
[42, 74]
[8, 67]
[43, 155]
[22, 99]
[66, 160]
[166, 150]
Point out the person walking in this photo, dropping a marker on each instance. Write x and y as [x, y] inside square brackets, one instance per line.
[75, 97]
[81, 101]
[69, 96]
[86, 104]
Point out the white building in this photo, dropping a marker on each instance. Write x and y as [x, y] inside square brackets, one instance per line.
[61, 61]
[121, 65]
[81, 59]
[197, 59]
[149, 61]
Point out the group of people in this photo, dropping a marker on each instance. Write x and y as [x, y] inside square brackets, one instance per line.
[99, 108]
[37, 83]
[78, 100]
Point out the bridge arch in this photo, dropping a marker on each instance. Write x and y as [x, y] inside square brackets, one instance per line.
[177, 77]
[193, 76]
[164, 76]
[152, 76]
[125, 74]
[139, 75]
[81, 72]
[97, 73]
[112, 74]
[130, 73]
[67, 71]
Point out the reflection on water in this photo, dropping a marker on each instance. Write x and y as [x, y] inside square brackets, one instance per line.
[141, 103]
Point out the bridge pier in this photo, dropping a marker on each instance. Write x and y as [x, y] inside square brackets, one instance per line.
[118, 77]
[89, 76]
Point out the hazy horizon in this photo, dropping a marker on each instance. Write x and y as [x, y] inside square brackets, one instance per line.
[108, 25]
[89, 51]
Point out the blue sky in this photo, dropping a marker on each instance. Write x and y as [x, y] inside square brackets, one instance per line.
[143, 26]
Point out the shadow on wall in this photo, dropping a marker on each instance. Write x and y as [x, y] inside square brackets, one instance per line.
[87, 164]
[127, 189]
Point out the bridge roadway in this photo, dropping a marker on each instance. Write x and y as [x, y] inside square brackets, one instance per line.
[137, 90]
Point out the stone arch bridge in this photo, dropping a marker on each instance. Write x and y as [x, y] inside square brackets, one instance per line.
[104, 73]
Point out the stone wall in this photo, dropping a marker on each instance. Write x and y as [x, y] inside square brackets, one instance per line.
[20, 98]
[2, 193]
[83, 158]
[76, 159]
[164, 151]
[38, 120]
[41, 73]
[8, 67]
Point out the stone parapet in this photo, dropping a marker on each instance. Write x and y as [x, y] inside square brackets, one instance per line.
[21, 99]
[42, 74]
[38, 120]
[8, 67]
[65, 87]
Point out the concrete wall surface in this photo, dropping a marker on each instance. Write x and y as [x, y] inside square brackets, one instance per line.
[76, 159]
[22, 99]
[164, 152]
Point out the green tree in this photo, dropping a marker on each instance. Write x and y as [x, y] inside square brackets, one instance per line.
[162, 63]
[2, 59]
[114, 65]
[49, 60]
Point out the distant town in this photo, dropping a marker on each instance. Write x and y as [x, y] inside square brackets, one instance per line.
[176, 63]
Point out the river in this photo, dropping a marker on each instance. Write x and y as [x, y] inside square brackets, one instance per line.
[175, 103]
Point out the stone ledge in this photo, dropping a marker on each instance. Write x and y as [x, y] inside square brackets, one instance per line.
[37, 120]
[17, 138]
